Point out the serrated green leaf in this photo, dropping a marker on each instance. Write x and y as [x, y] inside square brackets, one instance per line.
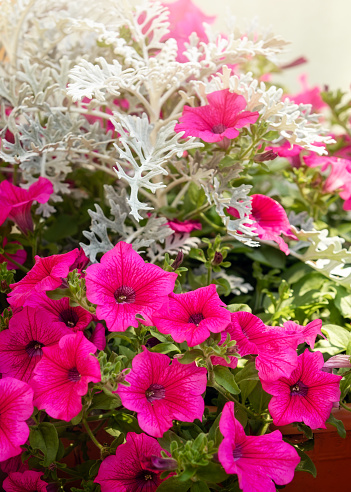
[225, 378]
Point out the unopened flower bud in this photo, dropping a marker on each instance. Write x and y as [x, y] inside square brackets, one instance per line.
[178, 261]
[265, 156]
[218, 258]
[159, 463]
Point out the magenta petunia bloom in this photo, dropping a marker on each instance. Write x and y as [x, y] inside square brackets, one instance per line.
[185, 18]
[62, 376]
[289, 151]
[29, 481]
[307, 395]
[123, 285]
[59, 311]
[21, 346]
[128, 470]
[308, 95]
[270, 220]
[274, 346]
[98, 337]
[16, 202]
[16, 406]
[47, 274]
[192, 316]
[219, 119]
[306, 333]
[19, 256]
[186, 226]
[160, 392]
[337, 361]
[259, 461]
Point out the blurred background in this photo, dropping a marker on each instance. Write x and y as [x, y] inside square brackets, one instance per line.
[317, 29]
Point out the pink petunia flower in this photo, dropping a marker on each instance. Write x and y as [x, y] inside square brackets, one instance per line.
[337, 361]
[218, 120]
[123, 285]
[47, 274]
[308, 95]
[16, 202]
[192, 316]
[81, 262]
[62, 376]
[185, 18]
[185, 226]
[160, 392]
[127, 470]
[25, 482]
[14, 464]
[21, 346]
[274, 346]
[307, 395]
[259, 461]
[307, 333]
[270, 220]
[291, 152]
[59, 311]
[98, 337]
[19, 256]
[16, 406]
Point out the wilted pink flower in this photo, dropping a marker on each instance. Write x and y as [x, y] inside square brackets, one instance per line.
[59, 311]
[259, 461]
[128, 469]
[98, 337]
[25, 482]
[308, 95]
[270, 220]
[185, 226]
[275, 347]
[185, 18]
[21, 346]
[339, 177]
[307, 333]
[16, 202]
[47, 274]
[62, 376]
[307, 395]
[220, 361]
[219, 119]
[192, 316]
[16, 406]
[123, 285]
[160, 392]
[337, 361]
[19, 256]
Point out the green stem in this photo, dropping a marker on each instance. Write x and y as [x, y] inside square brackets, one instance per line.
[209, 275]
[214, 226]
[342, 404]
[197, 211]
[18, 265]
[91, 435]
[264, 428]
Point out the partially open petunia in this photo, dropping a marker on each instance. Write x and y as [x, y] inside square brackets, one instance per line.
[16, 406]
[160, 392]
[16, 202]
[185, 18]
[27, 481]
[270, 220]
[274, 346]
[259, 461]
[19, 256]
[62, 376]
[123, 285]
[59, 311]
[307, 395]
[21, 345]
[218, 120]
[127, 470]
[47, 274]
[192, 316]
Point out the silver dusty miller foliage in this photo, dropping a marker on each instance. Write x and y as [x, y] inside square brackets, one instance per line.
[66, 69]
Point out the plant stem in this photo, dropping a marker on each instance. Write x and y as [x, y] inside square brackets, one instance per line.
[91, 435]
[18, 265]
[342, 404]
[209, 275]
[203, 208]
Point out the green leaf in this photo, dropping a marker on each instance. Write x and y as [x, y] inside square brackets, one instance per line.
[338, 424]
[103, 401]
[44, 437]
[125, 423]
[337, 336]
[234, 308]
[165, 348]
[173, 484]
[169, 437]
[271, 135]
[199, 487]
[190, 356]
[57, 294]
[226, 379]
[213, 472]
[343, 301]
[305, 429]
[63, 227]
[306, 464]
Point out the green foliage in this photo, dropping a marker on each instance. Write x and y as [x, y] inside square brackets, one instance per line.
[44, 438]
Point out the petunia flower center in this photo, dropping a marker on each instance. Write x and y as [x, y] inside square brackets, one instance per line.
[155, 392]
[148, 476]
[299, 389]
[34, 349]
[124, 295]
[220, 128]
[196, 318]
[69, 317]
[73, 375]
